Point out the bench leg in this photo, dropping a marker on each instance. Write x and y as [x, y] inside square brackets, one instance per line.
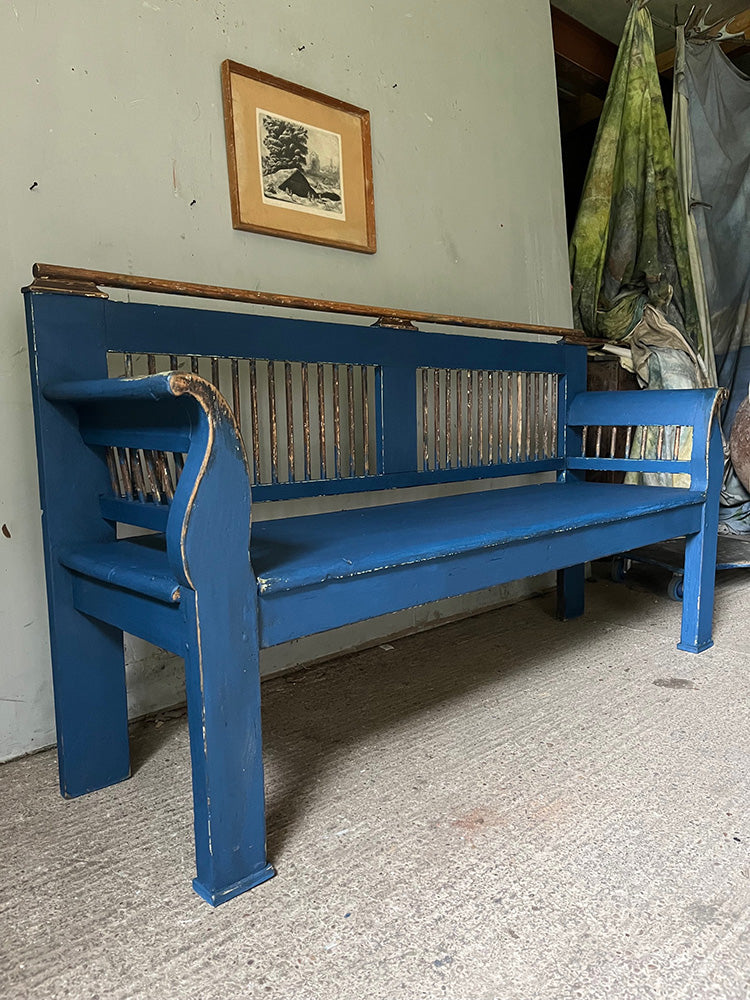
[698, 590]
[570, 584]
[700, 560]
[223, 694]
[91, 711]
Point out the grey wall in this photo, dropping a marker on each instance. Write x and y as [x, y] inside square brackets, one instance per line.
[111, 112]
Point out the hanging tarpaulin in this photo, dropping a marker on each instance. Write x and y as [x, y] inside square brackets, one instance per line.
[682, 146]
[629, 246]
[718, 106]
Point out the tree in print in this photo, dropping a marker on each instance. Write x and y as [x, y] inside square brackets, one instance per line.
[286, 144]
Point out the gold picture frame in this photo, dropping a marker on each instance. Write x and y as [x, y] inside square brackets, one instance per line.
[300, 162]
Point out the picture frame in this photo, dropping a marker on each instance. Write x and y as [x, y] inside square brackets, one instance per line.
[300, 162]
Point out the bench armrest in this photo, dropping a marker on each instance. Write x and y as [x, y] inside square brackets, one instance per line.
[178, 413]
[693, 411]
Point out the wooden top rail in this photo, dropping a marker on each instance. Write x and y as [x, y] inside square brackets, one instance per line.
[79, 281]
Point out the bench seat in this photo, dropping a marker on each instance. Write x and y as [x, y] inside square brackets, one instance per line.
[328, 570]
[299, 561]
[292, 553]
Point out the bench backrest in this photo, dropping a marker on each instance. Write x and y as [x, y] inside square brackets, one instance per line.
[328, 408]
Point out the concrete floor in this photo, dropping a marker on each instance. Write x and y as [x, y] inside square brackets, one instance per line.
[505, 807]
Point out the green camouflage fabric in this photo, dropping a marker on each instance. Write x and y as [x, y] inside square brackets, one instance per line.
[629, 246]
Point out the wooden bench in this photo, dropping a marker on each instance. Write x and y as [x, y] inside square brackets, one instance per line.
[325, 409]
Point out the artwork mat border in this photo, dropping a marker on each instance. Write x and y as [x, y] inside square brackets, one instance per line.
[360, 229]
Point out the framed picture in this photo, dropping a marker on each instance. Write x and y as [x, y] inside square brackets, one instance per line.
[300, 163]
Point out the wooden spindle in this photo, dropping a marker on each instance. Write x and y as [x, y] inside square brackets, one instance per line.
[336, 424]
[366, 416]
[322, 421]
[503, 417]
[425, 422]
[555, 389]
[350, 408]
[436, 414]
[255, 420]
[163, 475]
[660, 443]
[306, 418]
[519, 413]
[448, 417]
[469, 417]
[123, 456]
[138, 481]
[153, 479]
[273, 430]
[491, 418]
[112, 467]
[236, 398]
[480, 418]
[459, 417]
[289, 420]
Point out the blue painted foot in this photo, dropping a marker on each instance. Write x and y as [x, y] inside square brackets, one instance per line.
[697, 647]
[219, 896]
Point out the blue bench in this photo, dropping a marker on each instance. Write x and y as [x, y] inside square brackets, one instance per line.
[325, 409]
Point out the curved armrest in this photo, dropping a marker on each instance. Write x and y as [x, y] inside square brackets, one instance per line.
[651, 407]
[211, 507]
[175, 412]
[696, 409]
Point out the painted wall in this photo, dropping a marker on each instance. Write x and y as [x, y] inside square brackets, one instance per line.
[113, 158]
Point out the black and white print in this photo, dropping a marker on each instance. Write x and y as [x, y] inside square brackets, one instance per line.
[300, 166]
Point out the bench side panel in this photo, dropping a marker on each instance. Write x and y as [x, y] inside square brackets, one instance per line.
[66, 341]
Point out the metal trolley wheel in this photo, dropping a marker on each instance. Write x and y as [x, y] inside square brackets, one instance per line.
[619, 569]
[675, 587]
